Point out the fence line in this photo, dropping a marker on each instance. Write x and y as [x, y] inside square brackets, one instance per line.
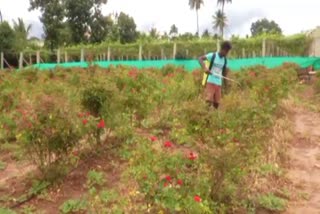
[267, 49]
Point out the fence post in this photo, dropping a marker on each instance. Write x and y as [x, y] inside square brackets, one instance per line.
[38, 57]
[1, 60]
[58, 56]
[140, 52]
[243, 53]
[108, 54]
[82, 55]
[65, 56]
[174, 50]
[30, 59]
[21, 60]
[162, 53]
[264, 48]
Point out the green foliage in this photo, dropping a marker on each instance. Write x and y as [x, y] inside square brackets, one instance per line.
[52, 17]
[3, 165]
[127, 28]
[6, 211]
[73, 206]
[265, 26]
[95, 179]
[94, 98]
[21, 33]
[80, 16]
[272, 202]
[7, 37]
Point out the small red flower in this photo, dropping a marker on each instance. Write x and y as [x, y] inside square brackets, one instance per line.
[84, 121]
[168, 178]
[81, 115]
[101, 124]
[180, 182]
[166, 184]
[192, 156]
[153, 138]
[197, 198]
[168, 144]
[88, 114]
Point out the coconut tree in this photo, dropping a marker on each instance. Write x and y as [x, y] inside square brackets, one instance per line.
[223, 2]
[21, 28]
[196, 5]
[21, 33]
[220, 22]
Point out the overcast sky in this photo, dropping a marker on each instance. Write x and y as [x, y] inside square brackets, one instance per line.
[293, 16]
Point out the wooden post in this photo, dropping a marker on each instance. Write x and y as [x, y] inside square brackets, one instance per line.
[82, 55]
[174, 51]
[65, 56]
[58, 56]
[140, 52]
[30, 59]
[38, 57]
[108, 54]
[162, 53]
[264, 48]
[1, 61]
[21, 60]
[243, 53]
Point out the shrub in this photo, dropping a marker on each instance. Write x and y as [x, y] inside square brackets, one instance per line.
[52, 134]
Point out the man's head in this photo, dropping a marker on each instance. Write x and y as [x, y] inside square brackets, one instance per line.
[225, 48]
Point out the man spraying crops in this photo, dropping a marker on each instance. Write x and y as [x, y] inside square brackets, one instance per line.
[215, 73]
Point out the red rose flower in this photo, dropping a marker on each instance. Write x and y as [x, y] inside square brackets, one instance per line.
[180, 182]
[153, 138]
[168, 144]
[84, 121]
[192, 156]
[197, 198]
[101, 124]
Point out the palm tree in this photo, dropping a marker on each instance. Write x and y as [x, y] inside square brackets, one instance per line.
[220, 22]
[21, 28]
[196, 5]
[223, 2]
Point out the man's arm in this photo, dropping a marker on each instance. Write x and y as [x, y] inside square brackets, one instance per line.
[201, 61]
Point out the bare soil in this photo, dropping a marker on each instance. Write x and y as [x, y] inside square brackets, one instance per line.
[304, 170]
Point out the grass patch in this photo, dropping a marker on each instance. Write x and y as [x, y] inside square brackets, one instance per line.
[272, 202]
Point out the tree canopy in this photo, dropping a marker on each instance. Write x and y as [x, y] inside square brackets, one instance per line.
[265, 26]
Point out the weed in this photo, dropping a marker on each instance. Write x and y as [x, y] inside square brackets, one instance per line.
[95, 178]
[73, 206]
[272, 202]
[3, 165]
